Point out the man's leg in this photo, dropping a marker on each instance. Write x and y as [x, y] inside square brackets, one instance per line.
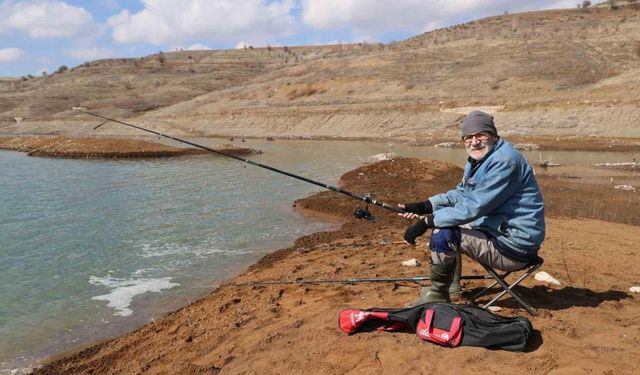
[480, 247]
[444, 245]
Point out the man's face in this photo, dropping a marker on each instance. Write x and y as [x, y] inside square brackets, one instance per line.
[478, 144]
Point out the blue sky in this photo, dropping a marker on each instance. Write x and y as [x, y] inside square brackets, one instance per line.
[41, 35]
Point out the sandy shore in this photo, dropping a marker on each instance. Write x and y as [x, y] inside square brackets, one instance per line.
[246, 328]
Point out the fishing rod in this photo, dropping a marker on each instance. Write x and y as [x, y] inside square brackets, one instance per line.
[360, 213]
[358, 280]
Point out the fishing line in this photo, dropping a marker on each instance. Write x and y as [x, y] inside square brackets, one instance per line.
[355, 280]
[360, 213]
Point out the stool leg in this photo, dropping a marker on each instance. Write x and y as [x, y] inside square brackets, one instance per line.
[485, 290]
[507, 289]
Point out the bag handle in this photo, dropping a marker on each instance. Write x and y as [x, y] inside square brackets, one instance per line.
[451, 338]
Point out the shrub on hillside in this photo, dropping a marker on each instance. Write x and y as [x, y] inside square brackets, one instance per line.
[62, 69]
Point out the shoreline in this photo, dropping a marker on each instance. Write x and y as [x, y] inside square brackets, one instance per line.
[168, 306]
[127, 146]
[106, 148]
[234, 322]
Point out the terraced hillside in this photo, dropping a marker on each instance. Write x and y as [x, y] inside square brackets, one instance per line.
[561, 72]
[128, 87]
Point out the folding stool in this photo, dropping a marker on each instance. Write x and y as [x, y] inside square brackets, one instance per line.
[508, 288]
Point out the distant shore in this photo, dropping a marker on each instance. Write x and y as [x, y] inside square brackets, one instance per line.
[71, 147]
[62, 146]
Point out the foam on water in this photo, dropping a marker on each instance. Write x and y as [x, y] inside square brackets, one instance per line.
[123, 290]
[159, 249]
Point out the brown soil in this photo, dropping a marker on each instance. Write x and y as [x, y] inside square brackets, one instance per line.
[245, 328]
[69, 147]
[577, 143]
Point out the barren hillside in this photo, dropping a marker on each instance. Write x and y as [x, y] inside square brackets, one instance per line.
[562, 72]
[129, 87]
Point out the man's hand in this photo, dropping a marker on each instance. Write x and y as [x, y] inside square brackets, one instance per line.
[416, 209]
[415, 231]
[418, 229]
[408, 215]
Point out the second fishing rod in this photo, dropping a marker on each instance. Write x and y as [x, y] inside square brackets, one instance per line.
[359, 213]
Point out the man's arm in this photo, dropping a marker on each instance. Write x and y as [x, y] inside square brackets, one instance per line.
[448, 199]
[490, 192]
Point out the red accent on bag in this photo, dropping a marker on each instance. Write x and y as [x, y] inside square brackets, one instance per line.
[426, 331]
[350, 320]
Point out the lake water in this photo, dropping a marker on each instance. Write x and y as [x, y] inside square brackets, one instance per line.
[93, 248]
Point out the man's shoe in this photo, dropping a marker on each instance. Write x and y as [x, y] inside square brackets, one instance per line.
[427, 295]
[438, 291]
[455, 289]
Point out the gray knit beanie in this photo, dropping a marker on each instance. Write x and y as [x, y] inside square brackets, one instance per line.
[478, 121]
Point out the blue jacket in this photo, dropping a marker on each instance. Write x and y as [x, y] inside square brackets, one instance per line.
[500, 197]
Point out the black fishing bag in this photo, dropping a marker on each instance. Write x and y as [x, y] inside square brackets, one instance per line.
[444, 324]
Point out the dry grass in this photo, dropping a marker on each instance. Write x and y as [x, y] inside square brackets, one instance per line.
[304, 91]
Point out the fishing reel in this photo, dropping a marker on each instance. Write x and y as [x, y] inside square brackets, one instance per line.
[363, 213]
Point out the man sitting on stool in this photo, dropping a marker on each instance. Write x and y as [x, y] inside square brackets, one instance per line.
[494, 215]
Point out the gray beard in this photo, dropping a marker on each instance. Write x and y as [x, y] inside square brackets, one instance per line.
[489, 143]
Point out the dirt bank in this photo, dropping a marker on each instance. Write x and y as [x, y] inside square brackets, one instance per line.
[71, 147]
[244, 328]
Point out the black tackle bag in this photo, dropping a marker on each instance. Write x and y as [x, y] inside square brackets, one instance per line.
[444, 324]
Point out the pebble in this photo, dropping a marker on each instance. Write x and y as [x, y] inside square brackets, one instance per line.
[446, 144]
[526, 146]
[625, 187]
[635, 289]
[543, 276]
[383, 157]
[411, 263]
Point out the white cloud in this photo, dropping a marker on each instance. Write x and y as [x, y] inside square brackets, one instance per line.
[90, 53]
[371, 17]
[374, 16]
[44, 19]
[11, 55]
[168, 21]
[193, 47]
[242, 44]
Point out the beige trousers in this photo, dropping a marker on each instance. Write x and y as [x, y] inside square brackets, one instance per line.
[478, 247]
